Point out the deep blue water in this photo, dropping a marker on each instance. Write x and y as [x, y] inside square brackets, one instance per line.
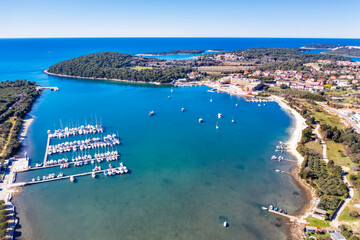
[186, 177]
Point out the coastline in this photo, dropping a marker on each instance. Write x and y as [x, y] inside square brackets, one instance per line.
[106, 79]
[296, 228]
[24, 129]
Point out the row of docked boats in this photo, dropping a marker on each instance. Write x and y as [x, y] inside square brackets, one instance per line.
[116, 171]
[276, 209]
[67, 132]
[279, 158]
[48, 177]
[256, 100]
[91, 143]
[281, 147]
[53, 162]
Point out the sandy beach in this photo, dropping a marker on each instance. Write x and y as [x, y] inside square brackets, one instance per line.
[299, 126]
[296, 229]
[24, 129]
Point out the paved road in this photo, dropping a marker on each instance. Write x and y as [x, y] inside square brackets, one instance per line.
[340, 114]
[335, 222]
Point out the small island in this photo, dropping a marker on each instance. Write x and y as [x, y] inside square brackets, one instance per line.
[321, 46]
[174, 52]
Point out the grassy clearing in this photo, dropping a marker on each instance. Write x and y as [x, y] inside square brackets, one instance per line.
[12, 120]
[316, 146]
[317, 222]
[332, 120]
[345, 215]
[336, 152]
[141, 68]
[222, 68]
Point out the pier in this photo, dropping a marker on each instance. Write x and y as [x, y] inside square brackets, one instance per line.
[21, 184]
[50, 88]
[59, 164]
[46, 149]
[290, 217]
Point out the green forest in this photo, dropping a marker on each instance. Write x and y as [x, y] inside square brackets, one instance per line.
[112, 65]
[16, 100]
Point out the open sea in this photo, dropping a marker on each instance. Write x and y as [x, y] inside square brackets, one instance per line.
[187, 178]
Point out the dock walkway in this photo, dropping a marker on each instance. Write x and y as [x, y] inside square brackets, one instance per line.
[290, 217]
[46, 149]
[21, 184]
[50, 88]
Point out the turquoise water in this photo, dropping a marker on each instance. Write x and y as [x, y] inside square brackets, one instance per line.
[185, 175]
[187, 178]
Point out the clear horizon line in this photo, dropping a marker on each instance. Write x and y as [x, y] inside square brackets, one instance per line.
[177, 37]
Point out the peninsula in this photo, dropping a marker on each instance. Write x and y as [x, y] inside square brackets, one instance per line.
[350, 51]
[120, 67]
[125, 67]
[321, 46]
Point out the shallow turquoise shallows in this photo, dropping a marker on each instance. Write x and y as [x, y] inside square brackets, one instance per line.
[187, 178]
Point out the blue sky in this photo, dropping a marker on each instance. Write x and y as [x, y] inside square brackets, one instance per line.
[181, 18]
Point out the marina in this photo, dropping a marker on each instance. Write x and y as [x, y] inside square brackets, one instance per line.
[22, 165]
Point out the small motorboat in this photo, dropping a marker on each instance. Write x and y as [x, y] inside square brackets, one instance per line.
[93, 174]
[72, 179]
[226, 224]
[219, 115]
[151, 113]
[201, 120]
[182, 109]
